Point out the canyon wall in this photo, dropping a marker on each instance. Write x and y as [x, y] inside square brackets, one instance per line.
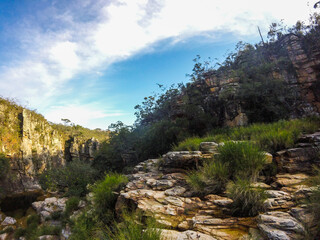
[32, 145]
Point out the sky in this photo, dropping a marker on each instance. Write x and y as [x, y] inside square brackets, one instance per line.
[92, 61]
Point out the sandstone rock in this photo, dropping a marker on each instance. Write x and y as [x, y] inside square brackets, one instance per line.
[280, 225]
[218, 200]
[260, 185]
[297, 160]
[8, 221]
[187, 235]
[182, 160]
[175, 191]
[273, 233]
[48, 206]
[290, 179]
[4, 236]
[49, 237]
[269, 157]
[209, 147]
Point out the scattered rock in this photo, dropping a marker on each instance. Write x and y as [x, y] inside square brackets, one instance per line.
[8, 221]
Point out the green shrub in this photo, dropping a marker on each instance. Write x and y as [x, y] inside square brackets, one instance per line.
[19, 233]
[4, 165]
[218, 175]
[49, 230]
[196, 181]
[270, 137]
[56, 215]
[33, 219]
[74, 178]
[247, 201]
[104, 198]
[133, 227]
[72, 204]
[86, 227]
[241, 159]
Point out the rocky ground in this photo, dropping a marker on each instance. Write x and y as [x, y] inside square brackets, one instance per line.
[158, 188]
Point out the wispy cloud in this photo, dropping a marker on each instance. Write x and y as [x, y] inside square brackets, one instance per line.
[62, 42]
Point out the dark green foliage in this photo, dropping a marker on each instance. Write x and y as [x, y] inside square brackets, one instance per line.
[242, 159]
[72, 204]
[49, 230]
[33, 219]
[19, 233]
[74, 177]
[270, 137]
[132, 227]
[104, 197]
[247, 201]
[4, 165]
[234, 160]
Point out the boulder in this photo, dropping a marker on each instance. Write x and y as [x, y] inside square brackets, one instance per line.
[8, 221]
[183, 160]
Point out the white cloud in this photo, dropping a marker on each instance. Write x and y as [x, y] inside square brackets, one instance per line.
[93, 34]
[81, 114]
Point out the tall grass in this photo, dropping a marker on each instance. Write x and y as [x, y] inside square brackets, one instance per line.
[104, 197]
[247, 201]
[133, 227]
[270, 137]
[234, 160]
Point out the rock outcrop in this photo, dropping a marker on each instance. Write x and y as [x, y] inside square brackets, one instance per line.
[158, 188]
[32, 145]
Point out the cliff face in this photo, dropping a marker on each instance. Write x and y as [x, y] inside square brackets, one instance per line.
[303, 80]
[33, 145]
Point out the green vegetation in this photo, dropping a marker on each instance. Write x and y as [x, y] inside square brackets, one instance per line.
[4, 165]
[268, 136]
[72, 178]
[104, 197]
[234, 160]
[72, 205]
[247, 201]
[132, 227]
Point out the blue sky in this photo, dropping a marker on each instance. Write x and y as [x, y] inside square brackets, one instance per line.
[92, 61]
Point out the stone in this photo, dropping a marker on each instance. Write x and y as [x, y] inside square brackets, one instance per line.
[8, 221]
[186, 235]
[260, 185]
[282, 221]
[290, 179]
[49, 237]
[268, 157]
[209, 147]
[175, 191]
[273, 233]
[4, 236]
[297, 160]
[182, 160]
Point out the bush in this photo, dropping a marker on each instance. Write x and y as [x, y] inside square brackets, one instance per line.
[86, 227]
[74, 177]
[247, 201]
[241, 159]
[104, 198]
[4, 165]
[49, 230]
[33, 219]
[19, 233]
[196, 181]
[133, 227]
[270, 137]
[72, 204]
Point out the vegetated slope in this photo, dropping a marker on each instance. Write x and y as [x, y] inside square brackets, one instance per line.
[266, 82]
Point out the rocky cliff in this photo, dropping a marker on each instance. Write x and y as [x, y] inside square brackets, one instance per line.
[302, 77]
[32, 145]
[158, 188]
